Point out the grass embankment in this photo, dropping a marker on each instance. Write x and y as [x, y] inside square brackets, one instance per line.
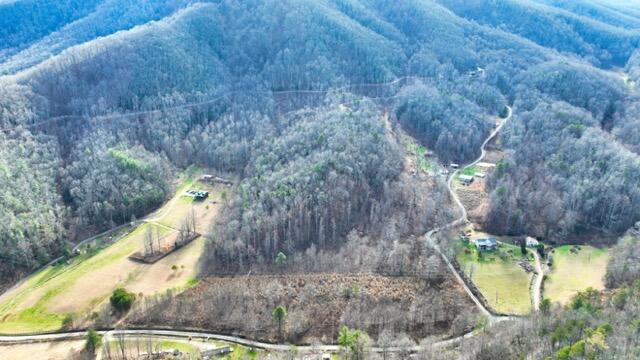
[469, 171]
[80, 287]
[573, 272]
[134, 347]
[497, 275]
[418, 151]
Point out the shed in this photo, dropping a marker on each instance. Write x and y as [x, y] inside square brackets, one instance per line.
[466, 179]
[480, 175]
[454, 165]
[532, 242]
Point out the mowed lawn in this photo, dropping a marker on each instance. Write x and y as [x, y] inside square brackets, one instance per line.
[43, 301]
[573, 272]
[503, 283]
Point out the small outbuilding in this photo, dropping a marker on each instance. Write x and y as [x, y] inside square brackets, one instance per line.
[454, 165]
[480, 175]
[466, 179]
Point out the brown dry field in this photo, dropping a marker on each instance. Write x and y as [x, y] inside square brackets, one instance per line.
[316, 305]
[41, 351]
[95, 287]
[475, 199]
[493, 156]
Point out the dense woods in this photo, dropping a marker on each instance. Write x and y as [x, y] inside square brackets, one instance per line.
[576, 180]
[324, 174]
[32, 211]
[109, 186]
[449, 124]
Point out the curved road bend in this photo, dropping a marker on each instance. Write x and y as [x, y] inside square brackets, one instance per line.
[75, 335]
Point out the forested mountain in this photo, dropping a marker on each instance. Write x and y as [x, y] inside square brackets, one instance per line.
[57, 25]
[600, 43]
[577, 178]
[614, 13]
[103, 100]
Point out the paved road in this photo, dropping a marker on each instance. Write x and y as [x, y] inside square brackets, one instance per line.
[196, 336]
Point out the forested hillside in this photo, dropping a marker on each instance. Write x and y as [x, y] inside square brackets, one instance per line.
[600, 43]
[576, 180]
[105, 100]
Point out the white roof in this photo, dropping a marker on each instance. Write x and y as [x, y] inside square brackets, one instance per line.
[466, 177]
[486, 165]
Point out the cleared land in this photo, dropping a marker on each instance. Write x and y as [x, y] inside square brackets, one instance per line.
[133, 348]
[417, 158]
[84, 284]
[497, 275]
[317, 304]
[573, 272]
[59, 350]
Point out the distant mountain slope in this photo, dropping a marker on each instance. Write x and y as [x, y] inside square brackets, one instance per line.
[209, 48]
[26, 21]
[600, 43]
[53, 26]
[598, 10]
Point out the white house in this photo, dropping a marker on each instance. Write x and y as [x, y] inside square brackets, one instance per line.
[532, 242]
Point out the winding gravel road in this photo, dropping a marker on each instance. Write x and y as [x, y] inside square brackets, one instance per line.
[203, 336]
[463, 219]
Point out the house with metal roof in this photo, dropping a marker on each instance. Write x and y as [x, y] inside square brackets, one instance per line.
[489, 244]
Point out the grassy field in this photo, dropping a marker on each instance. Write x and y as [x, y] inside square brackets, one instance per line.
[502, 282]
[572, 272]
[240, 352]
[84, 284]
